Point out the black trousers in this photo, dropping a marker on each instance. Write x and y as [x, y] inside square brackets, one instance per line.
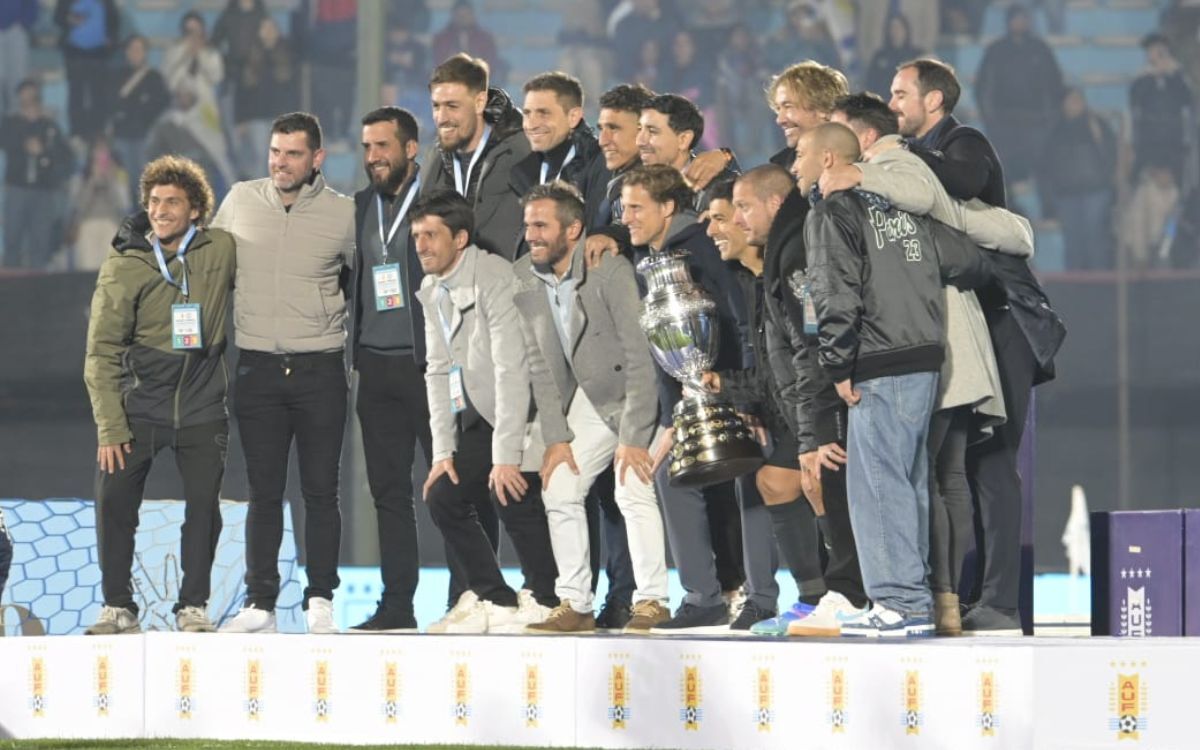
[951, 526]
[992, 470]
[725, 533]
[454, 510]
[393, 412]
[200, 457]
[88, 89]
[281, 397]
[842, 573]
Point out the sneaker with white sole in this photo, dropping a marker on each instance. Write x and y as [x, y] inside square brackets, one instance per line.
[502, 619]
[193, 620]
[319, 616]
[114, 621]
[881, 622]
[826, 620]
[461, 609]
[251, 620]
[777, 626]
[529, 612]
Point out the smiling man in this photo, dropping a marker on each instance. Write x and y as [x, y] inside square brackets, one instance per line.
[802, 98]
[669, 130]
[155, 372]
[295, 238]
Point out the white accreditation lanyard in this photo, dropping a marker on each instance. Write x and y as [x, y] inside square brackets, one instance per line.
[389, 284]
[461, 184]
[546, 166]
[185, 318]
[458, 393]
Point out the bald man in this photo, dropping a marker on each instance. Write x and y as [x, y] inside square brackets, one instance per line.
[875, 289]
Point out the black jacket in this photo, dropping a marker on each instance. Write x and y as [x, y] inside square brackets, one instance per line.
[362, 204]
[586, 170]
[784, 157]
[877, 289]
[963, 160]
[717, 278]
[136, 112]
[497, 200]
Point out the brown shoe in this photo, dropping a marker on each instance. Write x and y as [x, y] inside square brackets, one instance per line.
[946, 614]
[564, 620]
[647, 614]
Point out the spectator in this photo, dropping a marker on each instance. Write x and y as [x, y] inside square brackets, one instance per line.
[1149, 213]
[1019, 89]
[1185, 246]
[805, 36]
[649, 71]
[464, 34]
[16, 21]
[1160, 104]
[140, 99]
[711, 23]
[897, 49]
[741, 117]
[326, 33]
[236, 33]
[193, 70]
[1076, 179]
[414, 15]
[647, 21]
[89, 34]
[99, 201]
[922, 16]
[38, 161]
[689, 76]
[406, 71]
[1180, 23]
[267, 87]
[584, 46]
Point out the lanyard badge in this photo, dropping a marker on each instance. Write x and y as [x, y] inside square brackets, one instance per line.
[461, 184]
[388, 281]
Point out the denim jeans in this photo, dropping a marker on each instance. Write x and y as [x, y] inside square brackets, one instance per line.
[888, 483]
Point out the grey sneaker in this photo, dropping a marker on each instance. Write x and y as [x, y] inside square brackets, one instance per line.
[989, 621]
[114, 621]
[193, 620]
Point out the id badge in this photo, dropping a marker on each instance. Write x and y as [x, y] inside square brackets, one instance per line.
[389, 291]
[810, 310]
[458, 394]
[185, 327]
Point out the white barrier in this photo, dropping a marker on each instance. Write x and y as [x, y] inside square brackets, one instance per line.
[604, 691]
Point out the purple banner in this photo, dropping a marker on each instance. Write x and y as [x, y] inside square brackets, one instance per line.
[1137, 568]
[1191, 572]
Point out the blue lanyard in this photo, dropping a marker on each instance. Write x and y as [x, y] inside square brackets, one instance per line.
[463, 185]
[162, 261]
[385, 240]
[546, 166]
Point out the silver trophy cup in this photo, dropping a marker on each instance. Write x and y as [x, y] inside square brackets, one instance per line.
[712, 442]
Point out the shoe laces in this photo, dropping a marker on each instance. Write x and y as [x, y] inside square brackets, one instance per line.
[561, 611]
[645, 608]
[110, 614]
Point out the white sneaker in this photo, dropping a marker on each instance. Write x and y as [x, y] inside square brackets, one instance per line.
[193, 620]
[529, 612]
[473, 620]
[114, 621]
[826, 620]
[465, 604]
[251, 620]
[320, 616]
[503, 619]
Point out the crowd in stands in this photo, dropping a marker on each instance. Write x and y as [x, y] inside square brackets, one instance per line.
[1111, 182]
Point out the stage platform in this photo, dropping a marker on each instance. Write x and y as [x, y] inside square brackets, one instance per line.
[605, 691]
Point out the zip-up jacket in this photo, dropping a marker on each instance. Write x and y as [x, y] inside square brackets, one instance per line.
[132, 372]
[877, 289]
[586, 171]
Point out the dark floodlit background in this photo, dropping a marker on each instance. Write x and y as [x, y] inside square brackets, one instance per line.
[1095, 127]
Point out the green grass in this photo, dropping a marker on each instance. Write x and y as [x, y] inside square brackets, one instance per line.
[169, 744]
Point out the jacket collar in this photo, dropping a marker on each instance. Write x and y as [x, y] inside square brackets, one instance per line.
[577, 271]
[680, 223]
[308, 192]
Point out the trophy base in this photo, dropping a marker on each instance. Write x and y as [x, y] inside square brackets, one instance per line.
[718, 464]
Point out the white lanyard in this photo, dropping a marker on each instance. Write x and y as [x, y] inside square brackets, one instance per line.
[385, 241]
[444, 291]
[546, 166]
[460, 184]
[162, 261]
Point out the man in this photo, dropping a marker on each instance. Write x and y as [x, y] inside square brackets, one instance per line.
[1025, 334]
[1162, 111]
[38, 162]
[17, 20]
[658, 213]
[295, 238]
[389, 354]
[155, 372]
[620, 109]
[593, 384]
[802, 97]
[479, 141]
[562, 145]
[876, 292]
[669, 130]
[773, 212]
[477, 384]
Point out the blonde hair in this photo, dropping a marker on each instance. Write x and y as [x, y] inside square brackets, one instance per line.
[818, 86]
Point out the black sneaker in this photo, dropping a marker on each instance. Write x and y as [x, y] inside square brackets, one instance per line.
[613, 616]
[692, 620]
[988, 621]
[750, 614]
[387, 621]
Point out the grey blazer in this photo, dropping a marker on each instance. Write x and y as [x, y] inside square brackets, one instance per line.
[486, 341]
[609, 358]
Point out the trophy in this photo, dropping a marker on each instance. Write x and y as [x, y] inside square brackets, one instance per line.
[712, 442]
